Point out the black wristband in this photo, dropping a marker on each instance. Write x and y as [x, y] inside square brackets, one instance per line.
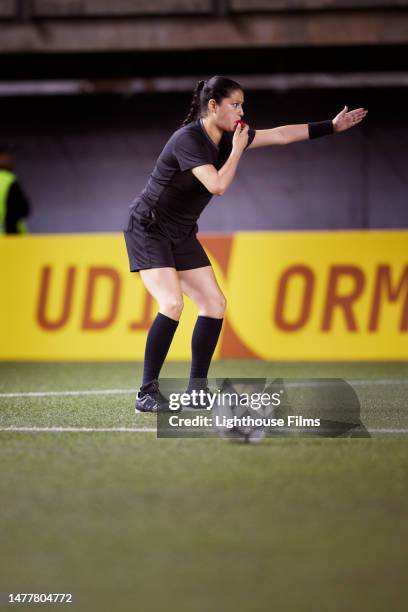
[320, 128]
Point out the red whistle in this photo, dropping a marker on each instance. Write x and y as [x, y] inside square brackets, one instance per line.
[242, 124]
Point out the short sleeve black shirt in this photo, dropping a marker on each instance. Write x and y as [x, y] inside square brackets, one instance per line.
[176, 195]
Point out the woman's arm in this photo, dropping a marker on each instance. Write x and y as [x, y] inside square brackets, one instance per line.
[282, 135]
[218, 181]
[287, 134]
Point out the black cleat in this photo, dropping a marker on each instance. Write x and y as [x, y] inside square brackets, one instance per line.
[149, 399]
[198, 391]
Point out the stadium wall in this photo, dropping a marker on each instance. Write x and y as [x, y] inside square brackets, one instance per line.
[83, 160]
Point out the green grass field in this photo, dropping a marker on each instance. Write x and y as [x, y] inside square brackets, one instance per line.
[126, 521]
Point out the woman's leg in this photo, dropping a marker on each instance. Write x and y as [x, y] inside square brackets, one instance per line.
[164, 286]
[201, 286]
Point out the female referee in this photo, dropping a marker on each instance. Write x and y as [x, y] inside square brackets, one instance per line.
[198, 161]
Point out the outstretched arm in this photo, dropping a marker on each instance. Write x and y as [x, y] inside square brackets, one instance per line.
[286, 134]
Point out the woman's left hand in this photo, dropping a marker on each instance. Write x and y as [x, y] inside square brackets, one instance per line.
[347, 119]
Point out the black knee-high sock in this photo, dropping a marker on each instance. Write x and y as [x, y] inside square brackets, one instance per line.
[205, 337]
[157, 346]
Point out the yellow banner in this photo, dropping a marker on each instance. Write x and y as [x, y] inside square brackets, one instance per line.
[291, 296]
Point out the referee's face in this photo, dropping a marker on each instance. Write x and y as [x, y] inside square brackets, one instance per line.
[230, 111]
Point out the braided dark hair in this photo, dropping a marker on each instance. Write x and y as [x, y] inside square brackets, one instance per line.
[216, 88]
[195, 103]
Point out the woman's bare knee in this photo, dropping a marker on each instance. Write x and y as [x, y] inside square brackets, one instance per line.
[172, 306]
[202, 287]
[164, 285]
[214, 307]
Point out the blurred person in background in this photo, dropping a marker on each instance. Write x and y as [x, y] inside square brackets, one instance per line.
[14, 204]
[199, 160]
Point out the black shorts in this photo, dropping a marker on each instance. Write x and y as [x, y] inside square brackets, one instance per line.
[151, 245]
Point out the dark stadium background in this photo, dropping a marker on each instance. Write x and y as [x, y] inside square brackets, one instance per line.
[86, 154]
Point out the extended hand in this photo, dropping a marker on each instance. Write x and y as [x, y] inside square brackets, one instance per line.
[347, 119]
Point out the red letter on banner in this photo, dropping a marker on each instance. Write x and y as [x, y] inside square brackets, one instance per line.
[307, 274]
[342, 301]
[94, 274]
[384, 279]
[146, 320]
[43, 298]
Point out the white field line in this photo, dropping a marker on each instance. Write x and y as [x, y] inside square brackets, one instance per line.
[79, 392]
[135, 430]
[390, 431]
[358, 382]
[68, 393]
[79, 429]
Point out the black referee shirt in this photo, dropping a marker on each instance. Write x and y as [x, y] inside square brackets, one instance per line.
[177, 196]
